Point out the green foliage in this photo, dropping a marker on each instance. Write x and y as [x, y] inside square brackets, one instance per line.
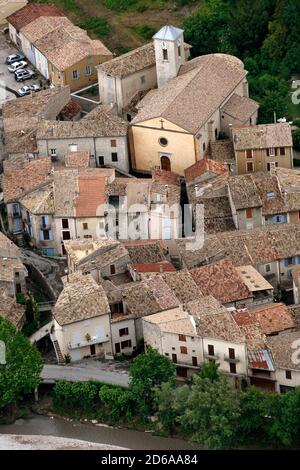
[21, 374]
[118, 402]
[210, 370]
[211, 412]
[255, 406]
[296, 139]
[78, 398]
[145, 31]
[98, 26]
[151, 369]
[21, 299]
[296, 122]
[119, 5]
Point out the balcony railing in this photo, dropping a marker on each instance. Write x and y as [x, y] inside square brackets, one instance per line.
[84, 343]
[213, 357]
[231, 359]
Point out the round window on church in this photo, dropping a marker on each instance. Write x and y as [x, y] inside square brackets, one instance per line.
[163, 141]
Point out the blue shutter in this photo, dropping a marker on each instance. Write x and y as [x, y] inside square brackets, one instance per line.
[274, 219]
[298, 259]
[286, 262]
[294, 261]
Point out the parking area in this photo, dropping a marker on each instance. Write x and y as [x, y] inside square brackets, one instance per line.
[7, 79]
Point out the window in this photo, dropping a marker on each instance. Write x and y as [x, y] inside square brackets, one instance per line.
[75, 74]
[249, 153]
[249, 166]
[282, 151]
[113, 143]
[183, 349]
[272, 165]
[211, 350]
[268, 268]
[88, 70]
[143, 79]
[204, 147]
[117, 308]
[271, 195]
[289, 261]
[46, 234]
[53, 152]
[123, 332]
[17, 274]
[163, 141]
[126, 344]
[165, 54]
[181, 372]
[288, 374]
[66, 236]
[90, 60]
[271, 152]
[59, 75]
[249, 213]
[65, 223]
[112, 269]
[182, 338]
[195, 361]
[114, 157]
[216, 133]
[85, 226]
[232, 368]
[231, 353]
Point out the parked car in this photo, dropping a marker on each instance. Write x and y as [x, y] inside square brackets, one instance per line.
[10, 59]
[24, 74]
[17, 66]
[27, 89]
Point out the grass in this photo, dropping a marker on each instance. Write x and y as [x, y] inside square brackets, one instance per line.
[124, 24]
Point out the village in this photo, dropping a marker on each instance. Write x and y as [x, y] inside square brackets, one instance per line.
[143, 206]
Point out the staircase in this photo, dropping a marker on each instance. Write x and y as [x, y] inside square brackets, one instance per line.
[58, 352]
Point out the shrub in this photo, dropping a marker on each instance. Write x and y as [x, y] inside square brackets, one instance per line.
[296, 139]
[99, 26]
[145, 31]
[118, 402]
[79, 398]
[119, 5]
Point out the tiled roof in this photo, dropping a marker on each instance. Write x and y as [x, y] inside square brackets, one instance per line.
[163, 294]
[253, 279]
[262, 136]
[31, 12]
[12, 311]
[144, 251]
[77, 159]
[173, 321]
[91, 198]
[220, 326]
[43, 25]
[183, 286]
[243, 191]
[71, 110]
[66, 188]
[214, 76]
[221, 280]
[163, 266]
[64, 47]
[131, 62]
[103, 123]
[283, 348]
[221, 151]
[211, 250]
[22, 175]
[240, 108]
[165, 177]
[251, 328]
[81, 299]
[39, 201]
[273, 318]
[204, 167]
[139, 300]
[206, 305]
[21, 118]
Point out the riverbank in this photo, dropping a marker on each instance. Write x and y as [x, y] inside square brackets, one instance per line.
[39, 425]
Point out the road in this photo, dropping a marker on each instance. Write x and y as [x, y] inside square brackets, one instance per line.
[51, 373]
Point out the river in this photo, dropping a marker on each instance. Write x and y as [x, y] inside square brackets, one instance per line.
[57, 427]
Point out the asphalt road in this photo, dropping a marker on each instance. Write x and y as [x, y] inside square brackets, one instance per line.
[51, 373]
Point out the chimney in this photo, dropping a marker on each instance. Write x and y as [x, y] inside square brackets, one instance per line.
[161, 268]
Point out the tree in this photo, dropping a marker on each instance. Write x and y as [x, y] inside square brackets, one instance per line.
[118, 402]
[285, 423]
[255, 419]
[21, 374]
[212, 412]
[210, 370]
[148, 371]
[296, 139]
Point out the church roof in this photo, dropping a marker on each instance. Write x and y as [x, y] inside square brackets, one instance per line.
[190, 99]
[168, 33]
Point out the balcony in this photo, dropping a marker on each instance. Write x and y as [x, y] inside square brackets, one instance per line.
[84, 343]
[233, 360]
[212, 357]
[45, 226]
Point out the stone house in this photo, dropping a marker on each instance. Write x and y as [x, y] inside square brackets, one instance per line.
[101, 132]
[263, 147]
[81, 320]
[13, 272]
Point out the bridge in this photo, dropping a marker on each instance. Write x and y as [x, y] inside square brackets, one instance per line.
[41, 333]
[46, 306]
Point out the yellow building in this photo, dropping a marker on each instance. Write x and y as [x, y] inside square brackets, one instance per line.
[263, 147]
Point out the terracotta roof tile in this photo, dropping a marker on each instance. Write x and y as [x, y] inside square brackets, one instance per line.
[205, 167]
[241, 108]
[91, 196]
[262, 136]
[31, 12]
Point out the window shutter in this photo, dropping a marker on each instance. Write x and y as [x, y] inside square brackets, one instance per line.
[294, 261]
[268, 152]
[286, 262]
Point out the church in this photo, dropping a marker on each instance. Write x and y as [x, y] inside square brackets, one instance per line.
[176, 106]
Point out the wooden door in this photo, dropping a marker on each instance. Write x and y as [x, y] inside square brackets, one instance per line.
[165, 163]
